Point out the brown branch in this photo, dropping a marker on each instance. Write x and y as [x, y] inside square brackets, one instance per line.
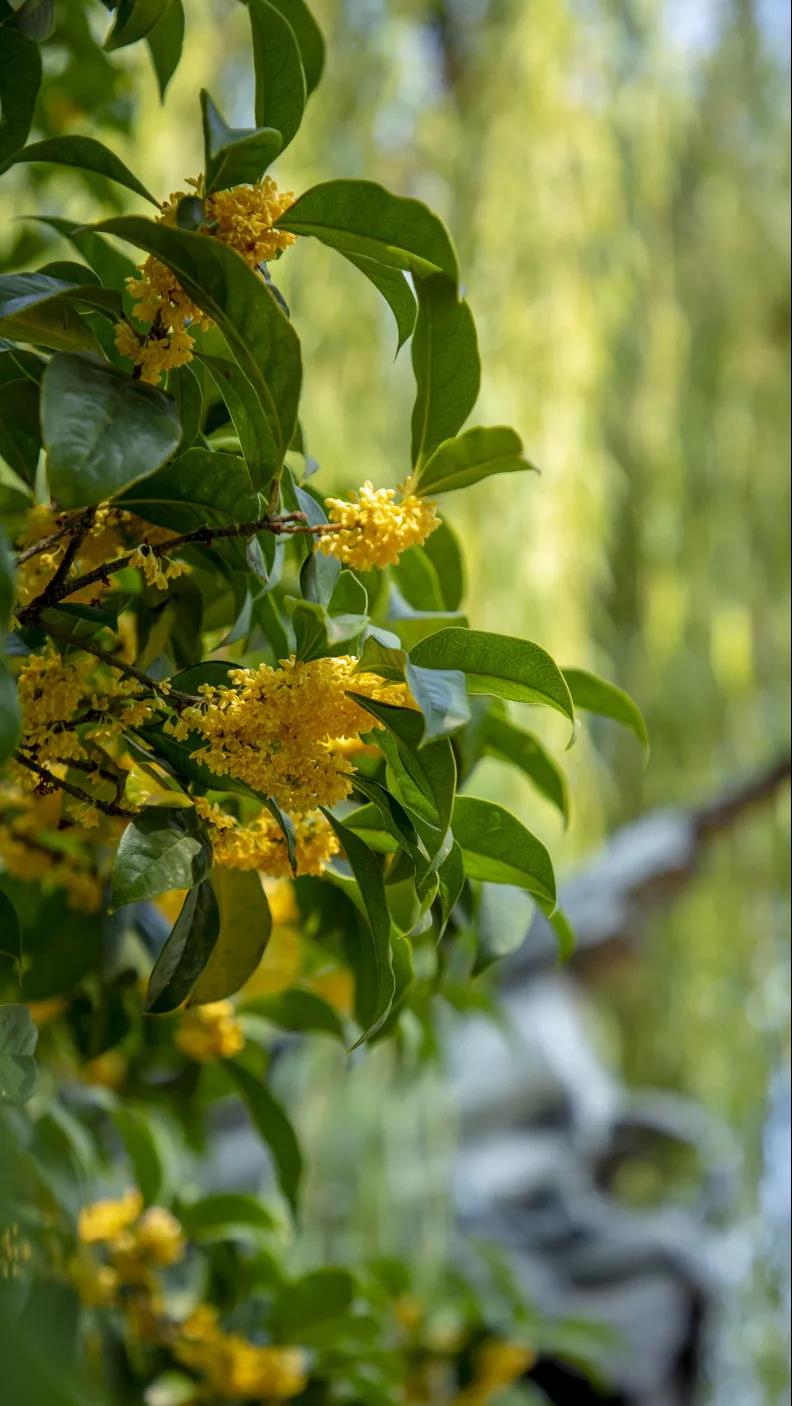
[44, 544]
[721, 813]
[174, 696]
[106, 807]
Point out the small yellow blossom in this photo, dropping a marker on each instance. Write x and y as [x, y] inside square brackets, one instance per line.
[262, 845]
[276, 728]
[234, 1367]
[377, 526]
[210, 1032]
[155, 1240]
[496, 1364]
[103, 1221]
[154, 354]
[157, 570]
[96, 1283]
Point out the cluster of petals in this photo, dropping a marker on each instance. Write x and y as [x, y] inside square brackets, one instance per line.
[275, 729]
[376, 526]
[210, 1032]
[234, 1367]
[261, 845]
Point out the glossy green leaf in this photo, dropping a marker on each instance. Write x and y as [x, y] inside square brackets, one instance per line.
[223, 1214]
[442, 698]
[20, 77]
[259, 335]
[134, 19]
[298, 1010]
[596, 695]
[112, 267]
[10, 719]
[309, 38]
[446, 365]
[280, 77]
[245, 927]
[202, 488]
[102, 429]
[86, 154]
[503, 917]
[390, 815]
[396, 291]
[374, 982]
[164, 847]
[165, 41]
[273, 1127]
[186, 953]
[503, 739]
[418, 581]
[498, 664]
[496, 846]
[362, 218]
[42, 310]
[469, 457]
[423, 777]
[234, 156]
[18, 1072]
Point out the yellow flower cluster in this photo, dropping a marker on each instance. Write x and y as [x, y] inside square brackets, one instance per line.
[276, 728]
[14, 1252]
[234, 1367]
[261, 845]
[242, 218]
[497, 1364]
[377, 526]
[112, 532]
[210, 1032]
[136, 1243]
[157, 570]
[55, 694]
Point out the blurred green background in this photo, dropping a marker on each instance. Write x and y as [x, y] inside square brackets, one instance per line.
[615, 174]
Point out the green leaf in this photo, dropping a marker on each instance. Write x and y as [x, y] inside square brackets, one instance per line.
[165, 43]
[134, 19]
[164, 847]
[472, 456]
[308, 36]
[112, 267]
[86, 154]
[10, 719]
[502, 921]
[418, 581]
[298, 1010]
[444, 553]
[102, 429]
[374, 981]
[146, 1147]
[280, 77]
[442, 698]
[223, 1214]
[18, 1072]
[564, 931]
[451, 881]
[7, 573]
[247, 414]
[185, 387]
[362, 218]
[396, 291]
[596, 695]
[323, 1293]
[186, 953]
[424, 776]
[10, 931]
[446, 365]
[259, 335]
[499, 665]
[245, 927]
[273, 1126]
[42, 310]
[503, 739]
[20, 427]
[390, 815]
[497, 847]
[36, 19]
[20, 78]
[235, 156]
[202, 488]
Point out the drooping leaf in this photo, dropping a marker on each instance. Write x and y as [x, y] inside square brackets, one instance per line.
[10, 719]
[102, 429]
[186, 953]
[443, 551]
[596, 695]
[18, 1072]
[391, 815]
[309, 38]
[274, 1128]
[298, 1010]
[374, 982]
[395, 289]
[245, 927]
[280, 77]
[112, 267]
[164, 847]
[201, 488]
[446, 365]
[20, 78]
[498, 664]
[442, 698]
[86, 154]
[234, 156]
[425, 776]
[502, 738]
[469, 458]
[362, 218]
[134, 19]
[42, 310]
[503, 918]
[165, 41]
[259, 335]
[496, 846]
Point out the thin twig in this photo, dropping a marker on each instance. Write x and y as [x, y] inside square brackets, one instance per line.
[44, 544]
[170, 695]
[106, 807]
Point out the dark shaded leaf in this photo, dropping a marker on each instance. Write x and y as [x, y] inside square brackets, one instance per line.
[496, 846]
[20, 78]
[446, 365]
[374, 981]
[87, 154]
[134, 19]
[245, 927]
[186, 952]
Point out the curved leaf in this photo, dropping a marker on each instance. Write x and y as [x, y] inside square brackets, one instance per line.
[470, 457]
[503, 739]
[18, 1072]
[362, 218]
[245, 927]
[221, 1214]
[446, 365]
[102, 429]
[496, 846]
[498, 664]
[234, 156]
[134, 19]
[374, 978]
[87, 154]
[20, 78]
[202, 488]
[309, 38]
[186, 952]
[164, 847]
[596, 695]
[396, 291]
[165, 43]
[273, 1127]
[280, 77]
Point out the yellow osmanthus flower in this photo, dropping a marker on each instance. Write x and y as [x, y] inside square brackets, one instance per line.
[262, 845]
[26, 852]
[275, 728]
[97, 1284]
[241, 218]
[496, 1365]
[234, 1367]
[111, 533]
[377, 525]
[103, 1221]
[156, 1240]
[157, 570]
[210, 1032]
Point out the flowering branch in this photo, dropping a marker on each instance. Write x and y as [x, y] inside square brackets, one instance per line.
[170, 695]
[52, 781]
